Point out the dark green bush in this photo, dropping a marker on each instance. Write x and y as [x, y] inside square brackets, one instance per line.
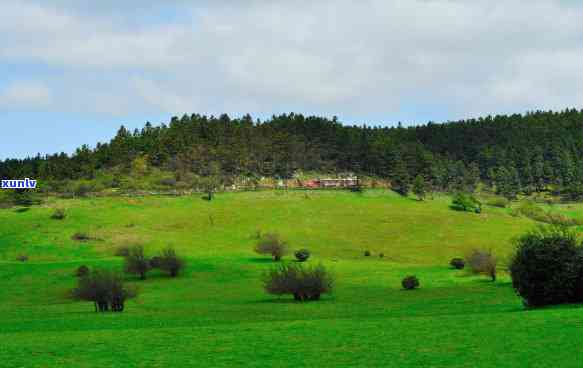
[81, 236]
[155, 262]
[367, 253]
[303, 282]
[136, 262]
[457, 263]
[170, 262]
[82, 271]
[273, 245]
[59, 214]
[381, 255]
[302, 255]
[22, 258]
[547, 267]
[122, 251]
[105, 289]
[410, 282]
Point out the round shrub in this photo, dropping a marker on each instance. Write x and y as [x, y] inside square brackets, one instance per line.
[273, 245]
[381, 255]
[304, 283]
[302, 255]
[367, 253]
[457, 263]
[22, 258]
[82, 271]
[59, 214]
[410, 282]
[547, 267]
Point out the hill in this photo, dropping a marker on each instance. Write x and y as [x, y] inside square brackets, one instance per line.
[217, 314]
[535, 152]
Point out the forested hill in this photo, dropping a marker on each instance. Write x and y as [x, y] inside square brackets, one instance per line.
[517, 153]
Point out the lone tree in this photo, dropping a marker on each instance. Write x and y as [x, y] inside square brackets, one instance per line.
[136, 262]
[304, 283]
[419, 187]
[400, 178]
[482, 262]
[273, 245]
[105, 288]
[169, 262]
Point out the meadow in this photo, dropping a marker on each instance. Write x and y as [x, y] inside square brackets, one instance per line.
[216, 314]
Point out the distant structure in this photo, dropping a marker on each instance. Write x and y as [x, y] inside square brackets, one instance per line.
[352, 182]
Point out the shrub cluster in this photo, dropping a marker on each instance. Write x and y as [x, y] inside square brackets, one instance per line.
[167, 261]
[136, 262]
[105, 289]
[534, 212]
[466, 202]
[303, 282]
[273, 245]
[547, 267]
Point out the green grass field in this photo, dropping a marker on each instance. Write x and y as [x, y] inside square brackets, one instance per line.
[216, 314]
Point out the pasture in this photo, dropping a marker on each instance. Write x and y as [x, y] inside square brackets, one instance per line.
[217, 314]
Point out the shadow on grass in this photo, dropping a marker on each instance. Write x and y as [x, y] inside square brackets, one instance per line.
[290, 300]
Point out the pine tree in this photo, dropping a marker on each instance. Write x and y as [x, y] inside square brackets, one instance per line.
[400, 181]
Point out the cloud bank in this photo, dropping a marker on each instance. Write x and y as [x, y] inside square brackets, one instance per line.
[385, 59]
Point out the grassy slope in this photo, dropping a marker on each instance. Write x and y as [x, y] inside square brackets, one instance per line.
[217, 314]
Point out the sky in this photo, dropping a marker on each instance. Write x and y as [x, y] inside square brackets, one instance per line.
[73, 71]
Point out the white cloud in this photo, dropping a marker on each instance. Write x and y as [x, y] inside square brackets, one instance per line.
[354, 58]
[25, 94]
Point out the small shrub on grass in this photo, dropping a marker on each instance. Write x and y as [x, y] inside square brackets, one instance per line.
[59, 214]
[22, 258]
[457, 263]
[170, 262]
[273, 245]
[547, 267]
[410, 283]
[482, 262]
[367, 253]
[381, 255]
[81, 236]
[303, 282]
[82, 271]
[105, 289]
[122, 251]
[136, 262]
[302, 255]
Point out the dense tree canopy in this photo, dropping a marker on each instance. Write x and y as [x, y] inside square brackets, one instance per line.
[516, 153]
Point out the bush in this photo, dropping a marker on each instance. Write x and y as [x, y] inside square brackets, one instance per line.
[82, 271]
[136, 262]
[302, 255]
[457, 263]
[410, 282]
[105, 289]
[465, 202]
[482, 262]
[59, 214]
[122, 251]
[170, 262]
[367, 253]
[22, 258]
[271, 244]
[80, 236]
[304, 283]
[547, 267]
[381, 255]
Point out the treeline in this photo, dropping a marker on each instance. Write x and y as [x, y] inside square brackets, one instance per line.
[514, 154]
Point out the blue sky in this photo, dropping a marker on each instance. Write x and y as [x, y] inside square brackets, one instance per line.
[73, 71]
